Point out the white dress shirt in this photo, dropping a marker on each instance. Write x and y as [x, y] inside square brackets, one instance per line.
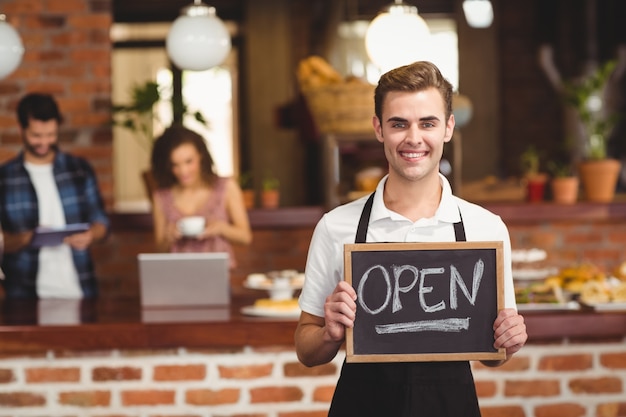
[324, 267]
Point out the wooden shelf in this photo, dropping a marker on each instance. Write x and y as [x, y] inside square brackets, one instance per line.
[282, 217]
[551, 212]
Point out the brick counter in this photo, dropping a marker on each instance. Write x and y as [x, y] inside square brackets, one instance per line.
[558, 380]
[118, 364]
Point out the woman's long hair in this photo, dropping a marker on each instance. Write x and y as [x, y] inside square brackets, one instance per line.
[165, 144]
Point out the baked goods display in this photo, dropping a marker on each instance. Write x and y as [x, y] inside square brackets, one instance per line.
[572, 279]
[585, 283]
[539, 293]
[281, 286]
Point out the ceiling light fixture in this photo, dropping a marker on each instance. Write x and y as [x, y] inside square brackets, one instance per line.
[397, 36]
[11, 48]
[198, 39]
[478, 13]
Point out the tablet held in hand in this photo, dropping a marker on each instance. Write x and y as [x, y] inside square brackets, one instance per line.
[53, 236]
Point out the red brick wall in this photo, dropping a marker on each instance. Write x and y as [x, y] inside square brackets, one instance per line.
[569, 379]
[67, 54]
[568, 243]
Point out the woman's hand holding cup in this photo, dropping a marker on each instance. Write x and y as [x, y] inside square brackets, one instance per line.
[191, 226]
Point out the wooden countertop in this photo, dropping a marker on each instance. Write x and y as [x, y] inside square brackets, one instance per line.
[511, 212]
[122, 324]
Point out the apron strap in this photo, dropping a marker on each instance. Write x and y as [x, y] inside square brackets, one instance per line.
[361, 232]
[459, 229]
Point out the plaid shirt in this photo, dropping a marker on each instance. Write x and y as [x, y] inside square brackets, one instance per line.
[19, 212]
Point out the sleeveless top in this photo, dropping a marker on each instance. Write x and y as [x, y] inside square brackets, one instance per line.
[214, 209]
[404, 389]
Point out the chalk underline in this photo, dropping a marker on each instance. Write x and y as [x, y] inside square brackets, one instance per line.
[443, 325]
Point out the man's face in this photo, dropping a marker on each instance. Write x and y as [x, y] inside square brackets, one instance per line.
[40, 139]
[413, 131]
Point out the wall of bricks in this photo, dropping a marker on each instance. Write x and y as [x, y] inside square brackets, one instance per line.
[559, 380]
[67, 54]
[569, 243]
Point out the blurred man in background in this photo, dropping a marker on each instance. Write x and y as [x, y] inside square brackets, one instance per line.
[43, 187]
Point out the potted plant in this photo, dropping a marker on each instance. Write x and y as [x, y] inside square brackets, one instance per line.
[535, 179]
[138, 115]
[598, 172]
[245, 182]
[564, 183]
[270, 196]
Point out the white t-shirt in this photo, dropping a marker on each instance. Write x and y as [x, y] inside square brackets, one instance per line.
[324, 267]
[57, 276]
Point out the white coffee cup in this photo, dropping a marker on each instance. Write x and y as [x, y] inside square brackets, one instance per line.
[191, 225]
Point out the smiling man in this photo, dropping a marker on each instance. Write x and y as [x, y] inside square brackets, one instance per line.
[413, 203]
[44, 187]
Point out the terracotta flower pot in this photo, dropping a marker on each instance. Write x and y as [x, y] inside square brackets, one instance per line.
[248, 198]
[565, 190]
[599, 179]
[270, 199]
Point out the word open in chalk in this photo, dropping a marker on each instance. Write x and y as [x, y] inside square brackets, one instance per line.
[424, 301]
[420, 278]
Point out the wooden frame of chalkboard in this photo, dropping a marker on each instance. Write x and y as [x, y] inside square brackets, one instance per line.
[424, 301]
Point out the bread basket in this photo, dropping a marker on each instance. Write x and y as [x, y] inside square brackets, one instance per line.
[342, 107]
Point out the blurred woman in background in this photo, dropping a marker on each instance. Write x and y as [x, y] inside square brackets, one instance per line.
[187, 186]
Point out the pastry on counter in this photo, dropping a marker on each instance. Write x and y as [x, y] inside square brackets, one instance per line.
[594, 292]
[280, 305]
[539, 293]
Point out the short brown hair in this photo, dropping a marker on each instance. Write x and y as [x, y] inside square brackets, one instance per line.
[417, 76]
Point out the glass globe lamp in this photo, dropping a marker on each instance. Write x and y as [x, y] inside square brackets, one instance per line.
[198, 39]
[11, 48]
[478, 13]
[397, 36]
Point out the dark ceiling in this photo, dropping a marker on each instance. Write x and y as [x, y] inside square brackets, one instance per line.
[168, 10]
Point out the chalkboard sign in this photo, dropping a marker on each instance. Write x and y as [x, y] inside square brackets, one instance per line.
[424, 301]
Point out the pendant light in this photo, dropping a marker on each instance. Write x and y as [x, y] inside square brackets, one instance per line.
[198, 39]
[397, 36]
[11, 48]
[478, 13]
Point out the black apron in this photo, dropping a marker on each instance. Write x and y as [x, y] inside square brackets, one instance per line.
[404, 389]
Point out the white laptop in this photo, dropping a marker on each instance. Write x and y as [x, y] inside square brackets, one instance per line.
[184, 279]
